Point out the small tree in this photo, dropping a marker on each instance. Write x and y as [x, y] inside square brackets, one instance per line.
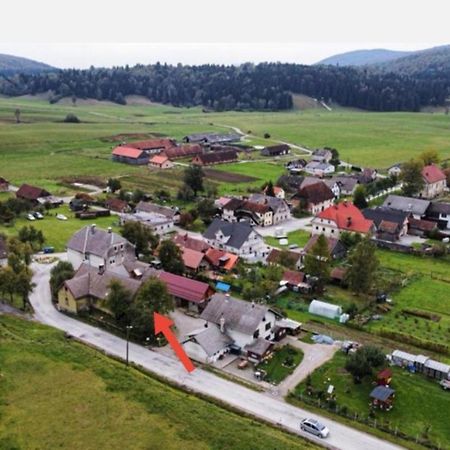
[206, 210]
[71, 118]
[270, 191]
[317, 261]
[119, 302]
[411, 176]
[114, 185]
[287, 259]
[140, 236]
[17, 115]
[171, 257]
[61, 272]
[151, 297]
[428, 157]
[193, 177]
[359, 197]
[363, 266]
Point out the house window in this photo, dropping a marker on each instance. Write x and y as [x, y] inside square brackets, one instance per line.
[317, 228]
[256, 334]
[268, 324]
[332, 231]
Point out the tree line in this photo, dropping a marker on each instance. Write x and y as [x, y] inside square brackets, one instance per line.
[265, 86]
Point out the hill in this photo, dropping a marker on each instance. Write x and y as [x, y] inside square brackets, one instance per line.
[363, 57]
[433, 61]
[15, 64]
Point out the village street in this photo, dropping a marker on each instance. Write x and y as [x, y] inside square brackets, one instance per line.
[257, 404]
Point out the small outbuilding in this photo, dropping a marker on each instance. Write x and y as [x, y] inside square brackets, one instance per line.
[384, 377]
[382, 397]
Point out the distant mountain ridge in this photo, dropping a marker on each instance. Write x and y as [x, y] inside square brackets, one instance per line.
[364, 57]
[10, 64]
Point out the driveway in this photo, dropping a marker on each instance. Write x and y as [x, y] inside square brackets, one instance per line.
[314, 355]
[288, 226]
[199, 381]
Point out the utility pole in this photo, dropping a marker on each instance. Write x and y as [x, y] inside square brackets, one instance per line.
[128, 327]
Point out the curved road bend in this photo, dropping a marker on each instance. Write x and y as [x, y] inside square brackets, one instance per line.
[254, 403]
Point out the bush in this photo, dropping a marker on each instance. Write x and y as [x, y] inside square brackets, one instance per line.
[72, 118]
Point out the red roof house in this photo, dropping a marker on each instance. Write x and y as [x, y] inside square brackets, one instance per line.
[186, 241]
[160, 161]
[31, 193]
[344, 216]
[192, 258]
[221, 260]
[129, 155]
[117, 205]
[435, 181]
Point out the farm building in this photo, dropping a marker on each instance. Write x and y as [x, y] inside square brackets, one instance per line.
[421, 364]
[276, 150]
[160, 162]
[313, 197]
[211, 138]
[319, 169]
[322, 155]
[129, 155]
[153, 146]
[439, 212]
[325, 309]
[210, 159]
[159, 223]
[169, 213]
[415, 206]
[117, 205]
[183, 151]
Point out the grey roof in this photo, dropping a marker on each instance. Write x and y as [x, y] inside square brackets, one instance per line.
[317, 165]
[377, 215]
[95, 241]
[239, 315]
[88, 281]
[407, 204]
[322, 152]
[382, 393]
[212, 340]
[438, 366]
[238, 232]
[403, 355]
[274, 202]
[347, 183]
[157, 209]
[258, 346]
[439, 208]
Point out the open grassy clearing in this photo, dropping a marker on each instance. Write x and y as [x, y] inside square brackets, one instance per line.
[58, 232]
[410, 413]
[57, 393]
[298, 237]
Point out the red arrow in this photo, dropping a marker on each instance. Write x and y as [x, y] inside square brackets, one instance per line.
[162, 325]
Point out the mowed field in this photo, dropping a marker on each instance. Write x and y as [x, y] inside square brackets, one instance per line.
[56, 393]
[43, 149]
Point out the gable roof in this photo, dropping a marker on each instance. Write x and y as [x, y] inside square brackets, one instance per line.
[239, 315]
[211, 339]
[347, 217]
[238, 232]
[293, 277]
[276, 149]
[407, 204]
[274, 203]
[275, 253]
[237, 204]
[186, 241]
[185, 288]
[334, 245]
[422, 225]
[192, 258]
[159, 159]
[152, 144]
[315, 193]
[29, 192]
[95, 241]
[148, 207]
[383, 214]
[432, 174]
[127, 152]
[183, 151]
[382, 393]
[116, 204]
[439, 208]
[221, 258]
[347, 183]
[217, 157]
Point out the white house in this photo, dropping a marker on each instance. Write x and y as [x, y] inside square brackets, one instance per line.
[238, 238]
[99, 248]
[435, 181]
[159, 223]
[319, 169]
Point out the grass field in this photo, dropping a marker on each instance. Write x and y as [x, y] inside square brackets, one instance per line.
[43, 149]
[57, 232]
[298, 237]
[276, 368]
[410, 412]
[56, 393]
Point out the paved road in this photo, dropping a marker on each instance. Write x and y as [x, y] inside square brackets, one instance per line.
[249, 401]
[287, 226]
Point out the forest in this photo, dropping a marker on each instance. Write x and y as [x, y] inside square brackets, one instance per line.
[265, 86]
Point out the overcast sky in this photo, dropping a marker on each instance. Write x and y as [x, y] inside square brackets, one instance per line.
[106, 33]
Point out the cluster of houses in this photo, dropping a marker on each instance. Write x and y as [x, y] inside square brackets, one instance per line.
[228, 324]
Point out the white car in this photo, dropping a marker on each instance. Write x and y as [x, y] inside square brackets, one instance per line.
[314, 427]
[30, 217]
[61, 217]
[38, 215]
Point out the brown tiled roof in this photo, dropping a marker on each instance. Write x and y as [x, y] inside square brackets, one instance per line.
[183, 151]
[332, 243]
[293, 277]
[185, 241]
[185, 288]
[192, 258]
[216, 157]
[29, 192]
[116, 204]
[274, 256]
[152, 144]
[315, 193]
[423, 225]
[127, 152]
[214, 257]
[388, 227]
[338, 273]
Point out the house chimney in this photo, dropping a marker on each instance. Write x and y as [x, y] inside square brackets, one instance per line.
[222, 324]
[349, 221]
